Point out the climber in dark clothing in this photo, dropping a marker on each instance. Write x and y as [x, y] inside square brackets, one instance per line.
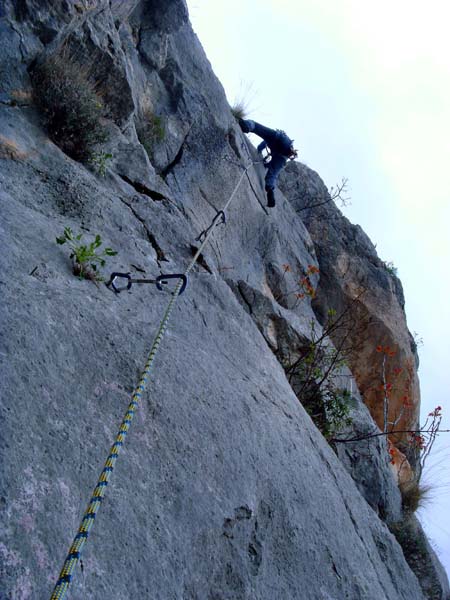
[281, 149]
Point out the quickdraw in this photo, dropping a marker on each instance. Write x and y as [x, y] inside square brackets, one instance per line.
[219, 219]
[117, 287]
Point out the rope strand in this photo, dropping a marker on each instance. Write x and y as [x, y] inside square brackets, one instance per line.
[87, 522]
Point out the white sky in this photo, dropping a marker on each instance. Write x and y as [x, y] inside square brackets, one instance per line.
[364, 88]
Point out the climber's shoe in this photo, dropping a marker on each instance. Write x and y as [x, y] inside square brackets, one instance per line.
[270, 198]
[243, 125]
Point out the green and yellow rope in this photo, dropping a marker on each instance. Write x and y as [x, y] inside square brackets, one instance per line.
[75, 550]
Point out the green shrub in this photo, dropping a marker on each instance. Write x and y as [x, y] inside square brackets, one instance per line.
[390, 268]
[314, 377]
[72, 108]
[85, 257]
[327, 406]
[151, 131]
[99, 161]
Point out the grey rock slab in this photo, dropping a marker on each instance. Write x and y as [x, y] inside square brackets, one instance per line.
[217, 428]
[212, 436]
[224, 489]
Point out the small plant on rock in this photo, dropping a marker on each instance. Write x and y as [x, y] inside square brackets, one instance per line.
[99, 161]
[85, 257]
[390, 268]
[151, 131]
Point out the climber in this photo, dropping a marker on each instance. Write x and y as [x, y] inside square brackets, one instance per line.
[281, 149]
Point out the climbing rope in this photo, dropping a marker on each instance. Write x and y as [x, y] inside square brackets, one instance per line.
[75, 550]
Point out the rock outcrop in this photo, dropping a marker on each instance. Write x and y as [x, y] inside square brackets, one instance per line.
[225, 488]
[380, 350]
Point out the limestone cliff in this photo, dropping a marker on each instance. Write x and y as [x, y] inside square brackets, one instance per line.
[381, 351]
[226, 488]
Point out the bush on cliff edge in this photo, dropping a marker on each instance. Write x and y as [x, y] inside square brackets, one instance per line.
[72, 108]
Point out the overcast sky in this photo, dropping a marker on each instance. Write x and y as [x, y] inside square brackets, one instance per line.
[364, 89]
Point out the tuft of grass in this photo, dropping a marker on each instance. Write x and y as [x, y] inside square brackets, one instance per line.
[239, 110]
[243, 104]
[415, 495]
[72, 108]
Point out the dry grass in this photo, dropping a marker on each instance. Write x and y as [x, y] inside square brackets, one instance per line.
[415, 495]
[9, 150]
[71, 105]
[244, 100]
[239, 110]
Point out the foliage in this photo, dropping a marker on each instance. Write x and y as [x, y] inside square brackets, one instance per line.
[417, 341]
[71, 106]
[85, 257]
[304, 287]
[420, 440]
[419, 443]
[415, 444]
[328, 408]
[337, 408]
[151, 131]
[390, 268]
[313, 376]
[426, 437]
[99, 161]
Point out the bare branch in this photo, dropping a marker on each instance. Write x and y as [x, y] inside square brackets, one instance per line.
[336, 194]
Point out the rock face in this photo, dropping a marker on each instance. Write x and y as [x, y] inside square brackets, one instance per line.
[380, 350]
[225, 488]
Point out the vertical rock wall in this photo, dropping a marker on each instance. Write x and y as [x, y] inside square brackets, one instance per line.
[380, 349]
